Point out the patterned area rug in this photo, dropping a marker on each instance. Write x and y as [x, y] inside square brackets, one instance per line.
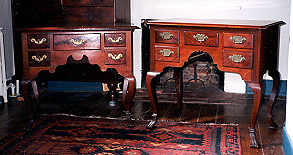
[78, 135]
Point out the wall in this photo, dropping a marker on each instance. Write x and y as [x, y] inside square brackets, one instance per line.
[214, 9]
[288, 129]
[6, 23]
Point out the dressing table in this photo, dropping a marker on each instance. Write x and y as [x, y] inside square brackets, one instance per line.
[50, 33]
[249, 48]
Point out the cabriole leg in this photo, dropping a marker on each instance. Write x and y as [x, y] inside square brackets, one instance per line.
[26, 97]
[276, 81]
[129, 88]
[257, 90]
[151, 89]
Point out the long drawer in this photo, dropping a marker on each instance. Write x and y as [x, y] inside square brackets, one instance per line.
[88, 3]
[97, 15]
[200, 38]
[77, 41]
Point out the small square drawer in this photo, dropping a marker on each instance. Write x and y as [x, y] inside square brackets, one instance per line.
[38, 58]
[77, 41]
[37, 41]
[237, 59]
[167, 53]
[115, 39]
[238, 40]
[87, 3]
[167, 36]
[201, 38]
[115, 57]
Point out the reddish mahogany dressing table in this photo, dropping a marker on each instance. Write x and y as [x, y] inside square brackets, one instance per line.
[249, 48]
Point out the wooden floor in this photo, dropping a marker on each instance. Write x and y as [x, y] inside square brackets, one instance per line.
[202, 105]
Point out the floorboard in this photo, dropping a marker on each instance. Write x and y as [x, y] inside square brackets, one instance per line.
[202, 105]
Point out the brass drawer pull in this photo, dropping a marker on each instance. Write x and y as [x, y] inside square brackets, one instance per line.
[38, 41]
[77, 42]
[39, 58]
[200, 37]
[166, 35]
[115, 57]
[237, 39]
[115, 41]
[166, 52]
[237, 58]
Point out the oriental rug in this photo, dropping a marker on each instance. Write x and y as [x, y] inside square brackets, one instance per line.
[60, 134]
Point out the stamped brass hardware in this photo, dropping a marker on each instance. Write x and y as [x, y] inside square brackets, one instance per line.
[237, 58]
[166, 35]
[115, 41]
[200, 37]
[38, 41]
[115, 57]
[237, 39]
[77, 42]
[39, 58]
[166, 52]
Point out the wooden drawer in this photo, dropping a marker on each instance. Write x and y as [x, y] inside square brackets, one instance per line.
[88, 3]
[115, 57]
[38, 41]
[167, 53]
[167, 36]
[238, 40]
[61, 58]
[77, 41]
[201, 38]
[115, 39]
[38, 58]
[237, 59]
[35, 3]
[92, 15]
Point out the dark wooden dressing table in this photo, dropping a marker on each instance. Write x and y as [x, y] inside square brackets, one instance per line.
[96, 32]
[249, 48]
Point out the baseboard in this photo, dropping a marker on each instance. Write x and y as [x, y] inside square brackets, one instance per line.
[72, 86]
[287, 143]
[267, 88]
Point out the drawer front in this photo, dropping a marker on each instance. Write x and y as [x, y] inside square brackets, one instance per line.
[77, 42]
[238, 40]
[237, 59]
[38, 41]
[87, 2]
[167, 36]
[115, 57]
[38, 58]
[93, 15]
[92, 56]
[166, 53]
[201, 38]
[115, 39]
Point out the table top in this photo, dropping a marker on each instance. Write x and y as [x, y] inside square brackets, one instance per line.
[78, 27]
[224, 23]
